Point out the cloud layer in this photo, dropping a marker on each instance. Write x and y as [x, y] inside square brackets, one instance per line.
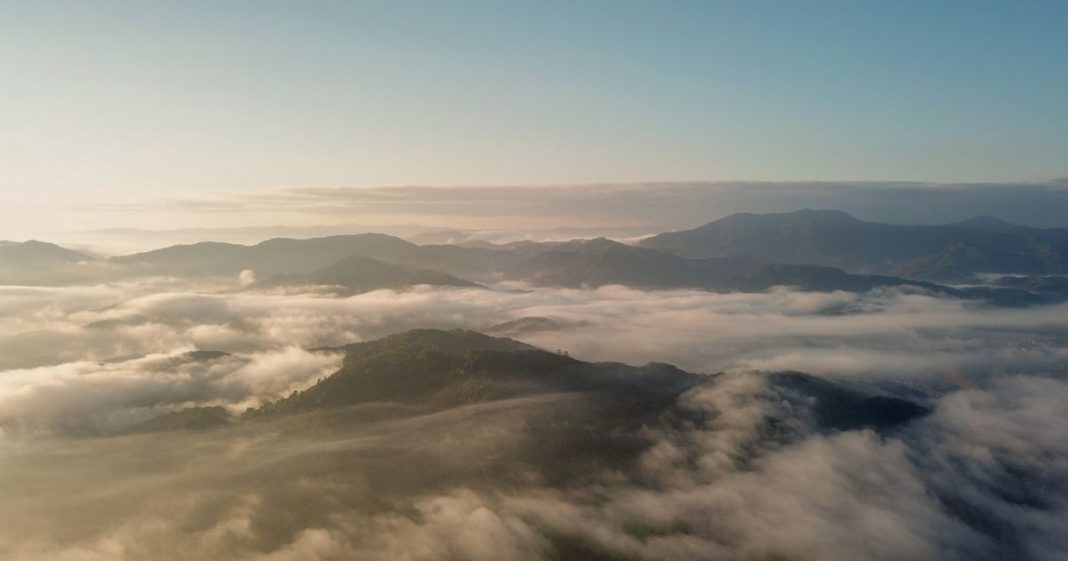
[505, 213]
[737, 468]
[959, 484]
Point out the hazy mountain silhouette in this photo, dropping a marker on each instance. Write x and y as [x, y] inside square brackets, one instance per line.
[601, 262]
[836, 239]
[35, 253]
[41, 263]
[807, 250]
[276, 256]
[365, 262]
[362, 274]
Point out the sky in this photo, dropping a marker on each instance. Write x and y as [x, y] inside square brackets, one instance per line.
[119, 104]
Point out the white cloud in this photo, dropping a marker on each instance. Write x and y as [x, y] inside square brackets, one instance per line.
[90, 397]
[742, 473]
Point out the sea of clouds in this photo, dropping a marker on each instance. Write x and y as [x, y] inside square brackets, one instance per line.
[984, 476]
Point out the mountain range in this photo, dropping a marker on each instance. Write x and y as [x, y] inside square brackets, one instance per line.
[371, 261]
[812, 250]
[358, 274]
[835, 239]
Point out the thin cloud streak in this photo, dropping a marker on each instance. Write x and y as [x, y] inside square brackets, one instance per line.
[650, 207]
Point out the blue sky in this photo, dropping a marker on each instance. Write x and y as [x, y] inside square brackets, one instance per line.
[119, 100]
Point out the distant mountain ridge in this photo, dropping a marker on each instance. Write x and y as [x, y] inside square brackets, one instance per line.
[388, 262]
[41, 263]
[836, 239]
[33, 253]
[601, 262]
[358, 274]
[275, 256]
[810, 250]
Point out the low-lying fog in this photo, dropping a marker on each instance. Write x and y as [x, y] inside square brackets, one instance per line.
[984, 476]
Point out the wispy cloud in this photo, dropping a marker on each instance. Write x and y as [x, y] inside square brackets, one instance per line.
[650, 206]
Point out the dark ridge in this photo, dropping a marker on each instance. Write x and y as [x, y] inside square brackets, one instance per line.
[440, 369]
[840, 408]
[446, 368]
[275, 256]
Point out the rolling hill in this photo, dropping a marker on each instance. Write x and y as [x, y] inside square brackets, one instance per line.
[441, 369]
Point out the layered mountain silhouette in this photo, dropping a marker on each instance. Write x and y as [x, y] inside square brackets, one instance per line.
[362, 274]
[31, 253]
[283, 256]
[836, 239]
[602, 262]
[276, 256]
[811, 250]
[369, 261]
[44, 263]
